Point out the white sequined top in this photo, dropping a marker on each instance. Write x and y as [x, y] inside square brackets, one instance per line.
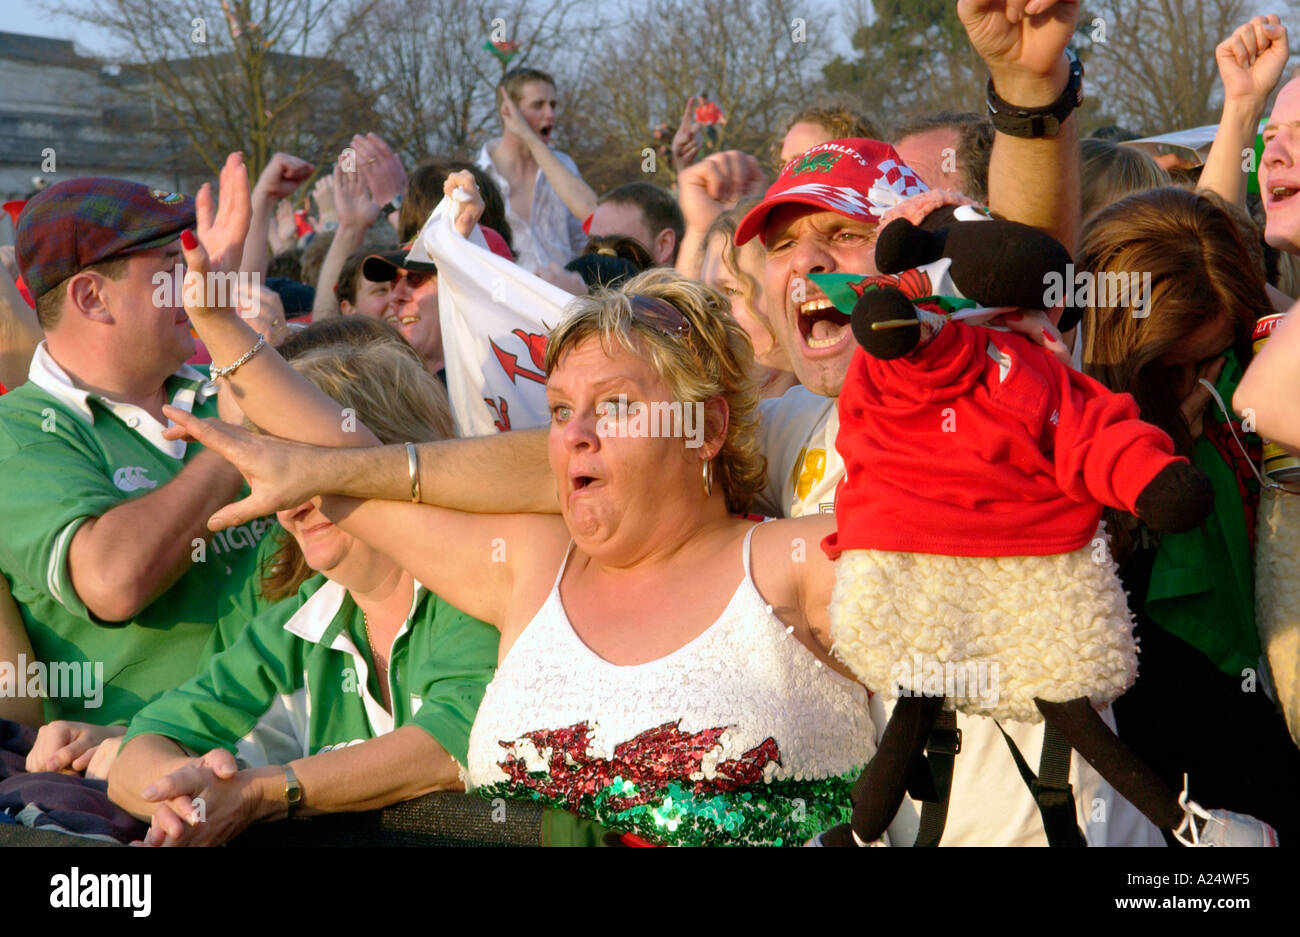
[741, 735]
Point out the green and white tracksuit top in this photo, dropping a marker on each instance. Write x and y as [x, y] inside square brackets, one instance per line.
[299, 680]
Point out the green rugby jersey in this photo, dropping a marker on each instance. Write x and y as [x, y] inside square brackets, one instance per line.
[299, 680]
[67, 456]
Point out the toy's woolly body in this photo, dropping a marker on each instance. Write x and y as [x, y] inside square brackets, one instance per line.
[1277, 598]
[1053, 627]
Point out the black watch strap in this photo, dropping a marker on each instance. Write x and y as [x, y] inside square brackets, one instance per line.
[1033, 122]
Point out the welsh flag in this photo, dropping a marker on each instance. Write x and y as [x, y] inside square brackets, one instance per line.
[504, 50]
[495, 318]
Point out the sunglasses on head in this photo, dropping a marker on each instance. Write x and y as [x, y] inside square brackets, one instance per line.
[659, 314]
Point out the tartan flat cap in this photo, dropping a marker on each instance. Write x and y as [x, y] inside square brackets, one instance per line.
[79, 222]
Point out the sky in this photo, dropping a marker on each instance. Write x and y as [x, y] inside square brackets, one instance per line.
[26, 16]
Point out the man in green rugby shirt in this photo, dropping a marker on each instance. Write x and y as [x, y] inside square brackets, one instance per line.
[105, 537]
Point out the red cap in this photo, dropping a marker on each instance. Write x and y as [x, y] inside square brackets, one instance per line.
[856, 177]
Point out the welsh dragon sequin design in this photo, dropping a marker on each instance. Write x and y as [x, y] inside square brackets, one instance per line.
[668, 787]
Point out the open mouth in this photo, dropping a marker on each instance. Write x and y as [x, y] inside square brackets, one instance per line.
[545, 134]
[1280, 193]
[582, 482]
[821, 325]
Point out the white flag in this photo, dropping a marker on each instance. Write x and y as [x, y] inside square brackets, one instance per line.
[495, 318]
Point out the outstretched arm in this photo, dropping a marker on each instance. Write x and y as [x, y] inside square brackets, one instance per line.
[470, 560]
[498, 474]
[1023, 44]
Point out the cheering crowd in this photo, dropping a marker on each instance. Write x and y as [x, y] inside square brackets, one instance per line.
[289, 549]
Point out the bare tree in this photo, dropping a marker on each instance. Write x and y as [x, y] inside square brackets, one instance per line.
[249, 75]
[913, 56]
[757, 59]
[1150, 63]
[432, 77]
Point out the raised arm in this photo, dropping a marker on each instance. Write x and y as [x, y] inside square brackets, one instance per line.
[1023, 44]
[282, 175]
[357, 211]
[1250, 63]
[270, 392]
[706, 190]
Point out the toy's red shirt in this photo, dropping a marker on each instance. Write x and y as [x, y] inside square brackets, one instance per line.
[982, 444]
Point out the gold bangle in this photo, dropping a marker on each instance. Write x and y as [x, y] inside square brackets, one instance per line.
[413, 468]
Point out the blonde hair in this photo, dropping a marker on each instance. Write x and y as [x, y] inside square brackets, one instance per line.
[385, 384]
[713, 358]
[1110, 171]
[724, 226]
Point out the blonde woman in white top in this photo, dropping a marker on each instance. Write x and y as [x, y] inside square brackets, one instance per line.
[674, 653]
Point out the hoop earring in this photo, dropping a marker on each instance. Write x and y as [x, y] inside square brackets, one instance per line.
[707, 472]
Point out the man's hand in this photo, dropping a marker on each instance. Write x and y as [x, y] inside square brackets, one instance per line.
[717, 184]
[63, 745]
[470, 210]
[380, 167]
[205, 802]
[323, 193]
[686, 146]
[278, 472]
[1021, 42]
[1251, 60]
[281, 177]
[357, 211]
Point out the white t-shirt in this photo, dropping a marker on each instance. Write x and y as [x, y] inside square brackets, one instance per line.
[990, 804]
[803, 466]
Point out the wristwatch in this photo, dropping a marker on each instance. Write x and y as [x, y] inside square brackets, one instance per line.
[1034, 122]
[292, 791]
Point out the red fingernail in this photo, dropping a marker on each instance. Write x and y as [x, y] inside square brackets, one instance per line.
[188, 240]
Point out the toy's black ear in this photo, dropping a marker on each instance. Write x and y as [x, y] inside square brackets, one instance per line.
[902, 246]
[1005, 263]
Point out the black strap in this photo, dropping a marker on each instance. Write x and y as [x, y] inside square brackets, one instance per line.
[1051, 788]
[931, 780]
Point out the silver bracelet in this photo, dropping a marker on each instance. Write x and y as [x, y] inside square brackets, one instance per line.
[230, 369]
